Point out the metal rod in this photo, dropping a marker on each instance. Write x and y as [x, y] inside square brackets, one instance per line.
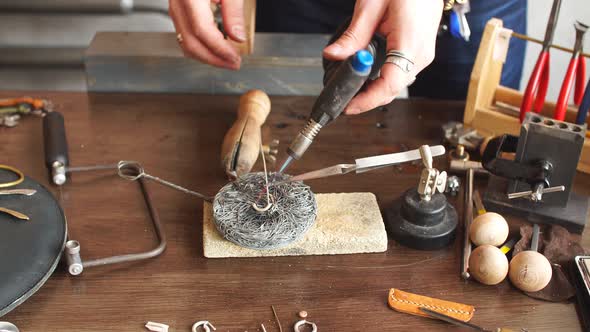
[535, 238]
[90, 168]
[143, 255]
[450, 319]
[467, 219]
[538, 41]
[478, 203]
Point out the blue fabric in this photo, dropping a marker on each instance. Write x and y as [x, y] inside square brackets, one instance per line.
[448, 76]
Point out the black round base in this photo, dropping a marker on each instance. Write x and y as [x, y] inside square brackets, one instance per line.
[424, 225]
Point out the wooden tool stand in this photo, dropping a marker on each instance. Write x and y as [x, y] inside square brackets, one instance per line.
[493, 109]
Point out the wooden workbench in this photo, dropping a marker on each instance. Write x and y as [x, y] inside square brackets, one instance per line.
[178, 138]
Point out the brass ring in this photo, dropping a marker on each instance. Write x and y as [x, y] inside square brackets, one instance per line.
[21, 176]
[179, 38]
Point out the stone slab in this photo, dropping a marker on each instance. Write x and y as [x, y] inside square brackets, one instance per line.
[347, 223]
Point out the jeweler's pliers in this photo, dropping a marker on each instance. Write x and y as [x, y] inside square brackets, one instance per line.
[576, 70]
[536, 89]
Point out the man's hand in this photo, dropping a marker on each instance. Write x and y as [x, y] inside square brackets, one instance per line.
[201, 39]
[409, 26]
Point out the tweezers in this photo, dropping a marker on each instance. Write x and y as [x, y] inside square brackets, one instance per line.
[368, 164]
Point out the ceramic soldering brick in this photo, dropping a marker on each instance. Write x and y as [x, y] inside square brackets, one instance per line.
[347, 223]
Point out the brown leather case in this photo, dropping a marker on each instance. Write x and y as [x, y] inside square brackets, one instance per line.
[411, 303]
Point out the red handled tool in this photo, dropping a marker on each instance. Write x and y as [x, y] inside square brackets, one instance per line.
[536, 88]
[576, 70]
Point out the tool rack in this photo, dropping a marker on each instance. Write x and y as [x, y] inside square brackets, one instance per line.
[493, 109]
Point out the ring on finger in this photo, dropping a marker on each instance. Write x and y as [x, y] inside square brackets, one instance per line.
[400, 59]
[179, 38]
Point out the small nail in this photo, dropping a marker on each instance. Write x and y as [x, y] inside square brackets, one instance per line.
[239, 32]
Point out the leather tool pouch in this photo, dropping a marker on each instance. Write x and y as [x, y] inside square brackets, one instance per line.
[411, 303]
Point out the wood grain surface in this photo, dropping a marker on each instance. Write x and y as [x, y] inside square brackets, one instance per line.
[178, 138]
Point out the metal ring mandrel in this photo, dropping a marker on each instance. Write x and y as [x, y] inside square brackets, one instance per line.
[19, 174]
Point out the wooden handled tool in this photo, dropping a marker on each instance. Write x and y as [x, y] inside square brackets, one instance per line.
[241, 145]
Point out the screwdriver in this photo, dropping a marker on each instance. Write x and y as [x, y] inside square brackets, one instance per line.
[345, 82]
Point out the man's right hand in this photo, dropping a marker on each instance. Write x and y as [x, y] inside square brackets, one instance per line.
[200, 38]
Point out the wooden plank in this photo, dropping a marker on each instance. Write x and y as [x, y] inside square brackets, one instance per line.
[514, 97]
[486, 73]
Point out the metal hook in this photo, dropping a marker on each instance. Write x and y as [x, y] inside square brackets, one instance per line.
[203, 323]
[130, 170]
[303, 322]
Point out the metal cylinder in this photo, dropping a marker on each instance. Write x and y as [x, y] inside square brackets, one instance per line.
[304, 139]
[73, 258]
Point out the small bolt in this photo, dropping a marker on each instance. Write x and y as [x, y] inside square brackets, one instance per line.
[302, 314]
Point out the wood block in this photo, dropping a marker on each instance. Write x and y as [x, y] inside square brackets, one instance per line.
[347, 223]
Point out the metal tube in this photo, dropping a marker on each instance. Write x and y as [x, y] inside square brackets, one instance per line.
[535, 238]
[467, 219]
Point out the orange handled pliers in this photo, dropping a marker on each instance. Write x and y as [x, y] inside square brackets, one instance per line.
[536, 89]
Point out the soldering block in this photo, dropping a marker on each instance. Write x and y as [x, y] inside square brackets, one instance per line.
[347, 223]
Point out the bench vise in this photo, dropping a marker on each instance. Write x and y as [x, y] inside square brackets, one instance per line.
[533, 174]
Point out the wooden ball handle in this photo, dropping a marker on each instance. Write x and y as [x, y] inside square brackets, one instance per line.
[241, 145]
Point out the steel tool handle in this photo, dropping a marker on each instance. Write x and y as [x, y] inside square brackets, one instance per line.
[56, 146]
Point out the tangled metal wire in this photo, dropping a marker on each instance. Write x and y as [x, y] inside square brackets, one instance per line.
[292, 213]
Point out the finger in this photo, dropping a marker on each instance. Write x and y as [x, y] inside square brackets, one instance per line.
[190, 45]
[201, 19]
[367, 14]
[232, 12]
[381, 91]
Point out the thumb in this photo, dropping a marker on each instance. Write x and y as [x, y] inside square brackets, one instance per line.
[232, 12]
[367, 15]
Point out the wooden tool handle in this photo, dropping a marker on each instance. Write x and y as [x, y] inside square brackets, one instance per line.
[241, 145]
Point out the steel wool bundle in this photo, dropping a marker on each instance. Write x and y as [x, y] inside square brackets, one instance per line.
[243, 215]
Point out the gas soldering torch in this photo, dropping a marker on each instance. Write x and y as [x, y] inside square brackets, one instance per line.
[341, 84]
